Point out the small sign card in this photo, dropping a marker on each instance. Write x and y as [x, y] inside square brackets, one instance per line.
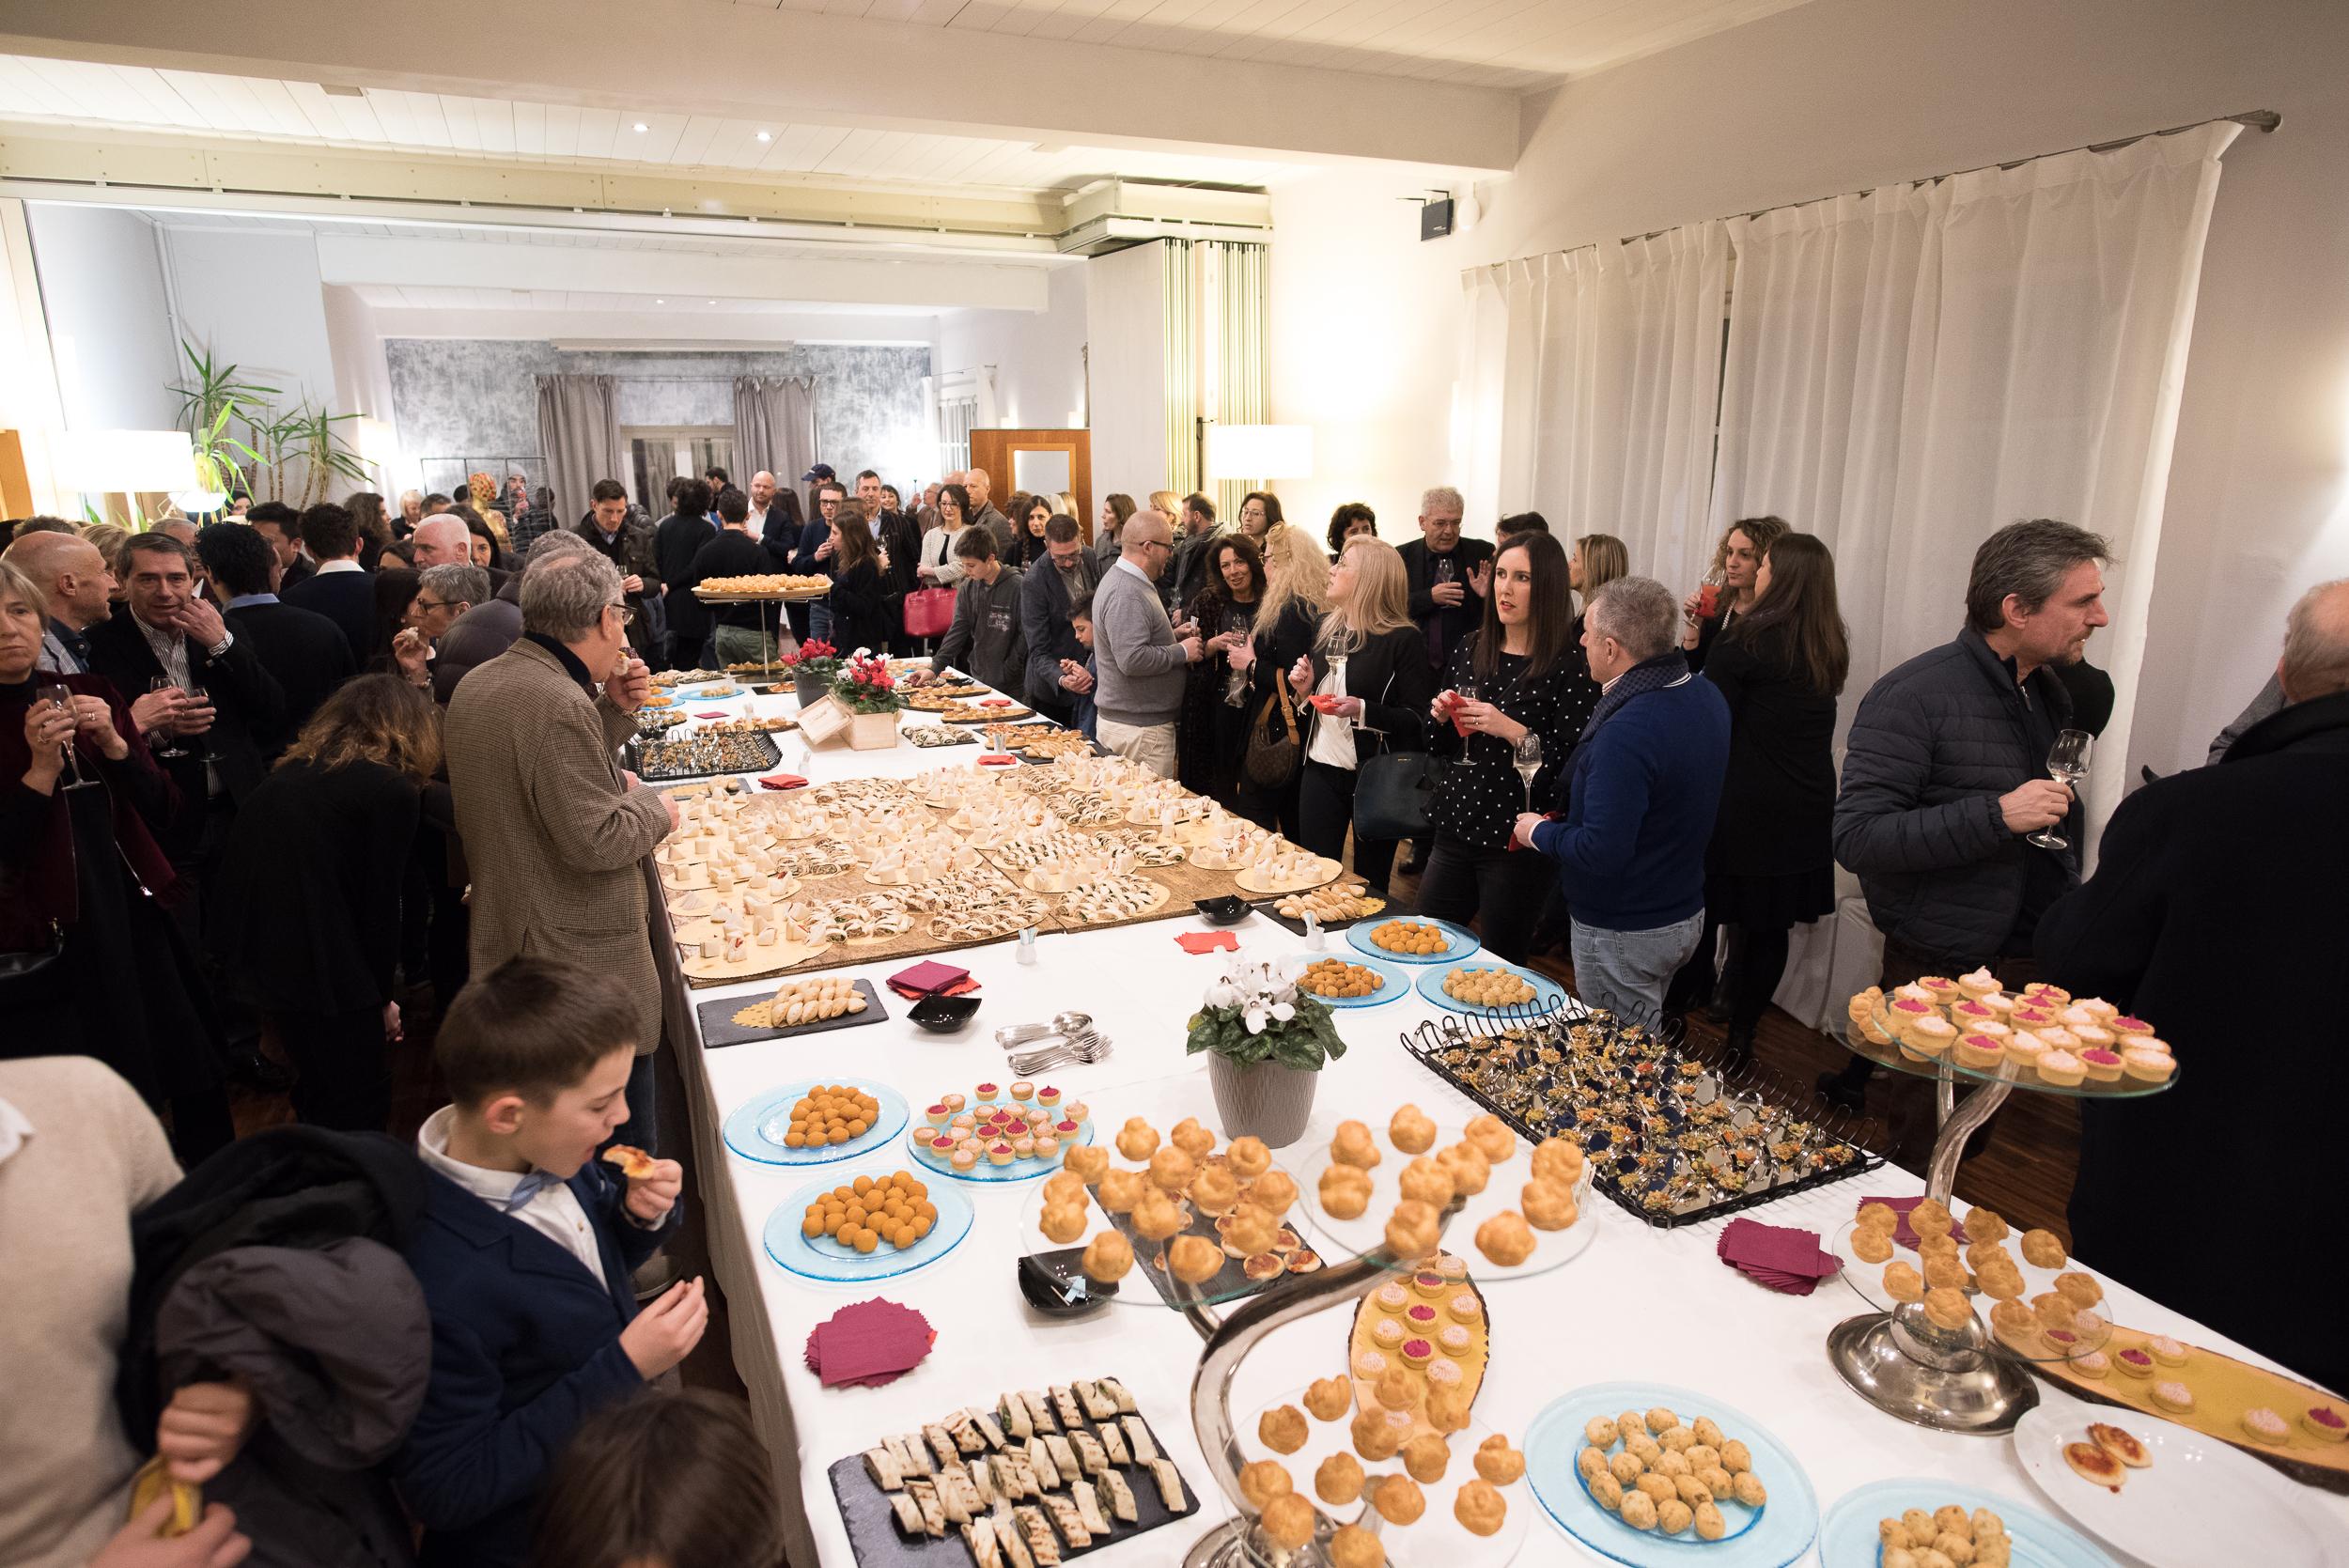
[826, 719]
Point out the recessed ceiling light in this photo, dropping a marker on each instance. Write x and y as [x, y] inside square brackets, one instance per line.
[661, 302]
[709, 302]
[640, 128]
[766, 135]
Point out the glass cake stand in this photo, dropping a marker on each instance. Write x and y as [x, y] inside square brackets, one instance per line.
[1964, 1379]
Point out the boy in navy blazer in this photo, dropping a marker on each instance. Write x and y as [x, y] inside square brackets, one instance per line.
[525, 1251]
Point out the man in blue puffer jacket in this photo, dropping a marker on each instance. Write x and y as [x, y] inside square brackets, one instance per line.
[1644, 786]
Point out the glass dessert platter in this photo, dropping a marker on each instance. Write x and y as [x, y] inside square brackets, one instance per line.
[1967, 1378]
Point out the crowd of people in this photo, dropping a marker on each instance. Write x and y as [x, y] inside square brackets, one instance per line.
[268, 776]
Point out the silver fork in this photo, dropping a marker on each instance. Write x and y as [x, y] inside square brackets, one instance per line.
[1084, 1048]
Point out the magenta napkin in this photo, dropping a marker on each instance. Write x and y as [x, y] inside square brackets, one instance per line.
[927, 975]
[1901, 1235]
[868, 1344]
[1783, 1258]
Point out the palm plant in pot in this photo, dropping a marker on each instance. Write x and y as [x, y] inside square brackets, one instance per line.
[1266, 1043]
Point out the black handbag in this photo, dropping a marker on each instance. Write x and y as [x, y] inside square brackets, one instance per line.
[1392, 792]
[1274, 748]
[30, 979]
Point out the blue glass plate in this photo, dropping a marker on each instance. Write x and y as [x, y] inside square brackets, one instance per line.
[825, 1259]
[1772, 1536]
[1463, 940]
[1548, 996]
[1848, 1537]
[1393, 982]
[748, 1130]
[1017, 1171]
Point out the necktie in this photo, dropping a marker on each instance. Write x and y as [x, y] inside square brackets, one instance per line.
[528, 1187]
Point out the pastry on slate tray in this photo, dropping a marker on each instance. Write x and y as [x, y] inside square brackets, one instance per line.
[1194, 1260]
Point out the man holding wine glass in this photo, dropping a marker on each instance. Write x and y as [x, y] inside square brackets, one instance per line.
[1449, 578]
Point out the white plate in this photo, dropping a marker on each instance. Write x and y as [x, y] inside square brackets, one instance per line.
[2201, 1503]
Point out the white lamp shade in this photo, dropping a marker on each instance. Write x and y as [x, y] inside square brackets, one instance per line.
[102, 462]
[1260, 451]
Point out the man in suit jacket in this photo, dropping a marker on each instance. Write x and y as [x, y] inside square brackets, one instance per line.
[341, 590]
[630, 545]
[305, 651]
[555, 834]
[1066, 575]
[1448, 576]
[676, 542]
[280, 525]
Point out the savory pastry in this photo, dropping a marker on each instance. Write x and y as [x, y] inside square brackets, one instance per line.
[1506, 1239]
[1638, 1511]
[1497, 1461]
[1120, 1190]
[1709, 1523]
[1193, 1139]
[1398, 1499]
[2043, 1249]
[1549, 1206]
[1137, 1139]
[1672, 1516]
[1282, 1429]
[1344, 1191]
[1411, 1131]
[1328, 1398]
[1375, 1438]
[1170, 1169]
[1064, 1222]
[1480, 1508]
[1287, 1521]
[1600, 1432]
[1353, 1546]
[1354, 1146]
[1090, 1161]
[634, 1163]
[1492, 1138]
[1558, 1159]
[1273, 1191]
[1947, 1308]
[1467, 1167]
[1411, 1230]
[1215, 1191]
[1869, 1244]
[1193, 1260]
[1748, 1489]
[1902, 1282]
[1107, 1256]
[1424, 1180]
[2093, 1464]
[1263, 1481]
[1248, 1157]
[1155, 1216]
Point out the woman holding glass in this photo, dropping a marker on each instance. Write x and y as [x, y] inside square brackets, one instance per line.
[1507, 698]
[103, 971]
[1728, 590]
[1288, 619]
[1365, 686]
[1212, 732]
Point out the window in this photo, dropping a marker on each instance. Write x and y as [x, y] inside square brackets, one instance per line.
[657, 456]
[956, 416]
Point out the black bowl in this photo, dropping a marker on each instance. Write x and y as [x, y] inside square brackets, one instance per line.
[943, 1014]
[1227, 911]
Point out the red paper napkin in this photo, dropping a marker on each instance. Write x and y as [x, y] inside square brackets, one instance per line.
[1902, 1234]
[783, 780]
[994, 701]
[868, 1344]
[999, 759]
[1207, 941]
[959, 989]
[713, 713]
[931, 976]
[1781, 1257]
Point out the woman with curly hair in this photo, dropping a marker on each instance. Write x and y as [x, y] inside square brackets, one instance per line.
[1211, 731]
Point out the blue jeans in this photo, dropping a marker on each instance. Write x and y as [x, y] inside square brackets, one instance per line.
[819, 620]
[1626, 971]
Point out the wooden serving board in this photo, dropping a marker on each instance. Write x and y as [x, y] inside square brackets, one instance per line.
[1370, 1313]
[2224, 1388]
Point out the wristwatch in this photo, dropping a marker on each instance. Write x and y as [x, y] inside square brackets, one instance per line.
[227, 640]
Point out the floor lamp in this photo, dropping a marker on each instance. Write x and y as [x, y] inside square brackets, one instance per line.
[103, 464]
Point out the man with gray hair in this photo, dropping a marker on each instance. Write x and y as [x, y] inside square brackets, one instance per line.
[555, 832]
[1448, 576]
[1643, 789]
[478, 634]
[1139, 661]
[2213, 885]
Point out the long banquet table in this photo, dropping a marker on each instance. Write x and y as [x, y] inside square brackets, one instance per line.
[1639, 1303]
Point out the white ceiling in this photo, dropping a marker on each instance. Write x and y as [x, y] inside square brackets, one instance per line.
[139, 98]
[436, 297]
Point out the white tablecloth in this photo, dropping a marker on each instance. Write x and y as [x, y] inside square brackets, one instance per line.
[1640, 1303]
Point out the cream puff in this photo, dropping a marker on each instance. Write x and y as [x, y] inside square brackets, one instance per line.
[1506, 1239]
[1136, 1140]
[1282, 1429]
[1871, 1245]
[1480, 1508]
[1190, 1137]
[1354, 1146]
[1248, 1157]
[1427, 1182]
[2042, 1248]
[1491, 1137]
[1902, 1282]
[1288, 1522]
[1339, 1479]
[1328, 1398]
[1947, 1308]
[1344, 1191]
[1558, 1159]
[1411, 1131]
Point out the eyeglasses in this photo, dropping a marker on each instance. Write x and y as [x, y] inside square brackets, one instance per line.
[626, 613]
[423, 603]
[1156, 544]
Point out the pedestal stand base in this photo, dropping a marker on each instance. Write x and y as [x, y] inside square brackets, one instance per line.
[1226, 1547]
[1976, 1392]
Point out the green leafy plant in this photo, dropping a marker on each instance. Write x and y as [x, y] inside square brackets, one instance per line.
[1253, 1014]
[212, 398]
[244, 442]
[864, 684]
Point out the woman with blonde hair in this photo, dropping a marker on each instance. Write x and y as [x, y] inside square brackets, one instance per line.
[1366, 685]
[1169, 504]
[311, 888]
[1288, 619]
[1597, 560]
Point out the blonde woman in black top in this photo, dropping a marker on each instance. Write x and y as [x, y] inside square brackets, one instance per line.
[1513, 678]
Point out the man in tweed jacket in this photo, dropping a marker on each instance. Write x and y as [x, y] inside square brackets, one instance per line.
[555, 832]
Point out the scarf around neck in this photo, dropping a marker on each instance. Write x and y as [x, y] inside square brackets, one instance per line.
[1667, 669]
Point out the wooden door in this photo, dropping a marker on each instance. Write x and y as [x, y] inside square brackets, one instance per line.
[1049, 453]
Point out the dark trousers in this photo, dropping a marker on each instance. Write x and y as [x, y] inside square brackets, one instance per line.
[1748, 978]
[1501, 890]
[196, 863]
[343, 1076]
[1325, 814]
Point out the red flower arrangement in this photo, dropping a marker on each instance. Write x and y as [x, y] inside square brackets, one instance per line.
[865, 684]
[814, 656]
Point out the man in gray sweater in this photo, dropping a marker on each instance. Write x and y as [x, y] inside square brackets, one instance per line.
[1140, 657]
[986, 640]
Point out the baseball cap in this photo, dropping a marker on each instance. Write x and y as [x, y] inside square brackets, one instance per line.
[821, 471]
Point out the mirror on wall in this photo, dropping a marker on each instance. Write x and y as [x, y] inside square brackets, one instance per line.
[1042, 471]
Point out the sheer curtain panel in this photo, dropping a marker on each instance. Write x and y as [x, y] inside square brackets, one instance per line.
[774, 428]
[579, 430]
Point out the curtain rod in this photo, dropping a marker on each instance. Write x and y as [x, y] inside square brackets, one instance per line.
[2258, 120]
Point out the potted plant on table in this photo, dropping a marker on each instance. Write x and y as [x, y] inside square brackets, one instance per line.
[815, 664]
[1266, 1042]
[868, 691]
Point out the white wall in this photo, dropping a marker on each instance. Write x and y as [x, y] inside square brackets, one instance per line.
[102, 287]
[253, 298]
[1038, 359]
[1842, 95]
[1125, 325]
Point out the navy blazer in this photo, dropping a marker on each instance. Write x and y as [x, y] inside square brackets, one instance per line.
[525, 1346]
[348, 599]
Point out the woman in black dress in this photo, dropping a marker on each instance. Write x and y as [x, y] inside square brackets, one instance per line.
[1288, 619]
[1731, 583]
[1027, 530]
[1771, 864]
[1514, 676]
[1211, 731]
[865, 603]
[1365, 687]
[84, 890]
[311, 893]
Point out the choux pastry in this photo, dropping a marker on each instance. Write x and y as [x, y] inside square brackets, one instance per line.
[1086, 1161]
[1155, 1216]
[1353, 1546]
[1448, 1408]
[1107, 1256]
[1064, 1222]
[1411, 1131]
[1491, 1137]
[1263, 1481]
[1193, 1139]
[1215, 1191]
[1252, 1230]
[1328, 1398]
[1506, 1239]
[1424, 1180]
[1119, 1190]
[1426, 1457]
[1947, 1307]
[1063, 1186]
[1344, 1191]
[1872, 1245]
[1375, 1438]
[1480, 1508]
[1273, 1191]
[1170, 1169]
[1548, 1205]
[1558, 1159]
[1902, 1282]
[1194, 1260]
[1282, 1429]
[1398, 1499]
[1287, 1521]
[1249, 1157]
[1497, 1461]
[1398, 1389]
[1412, 1230]
[1137, 1139]
[1468, 1168]
[1339, 1481]
[1354, 1145]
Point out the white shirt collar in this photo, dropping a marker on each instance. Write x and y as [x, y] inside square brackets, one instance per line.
[328, 567]
[492, 1188]
[1138, 572]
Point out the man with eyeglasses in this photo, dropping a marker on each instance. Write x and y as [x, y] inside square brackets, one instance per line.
[444, 593]
[1140, 657]
[813, 556]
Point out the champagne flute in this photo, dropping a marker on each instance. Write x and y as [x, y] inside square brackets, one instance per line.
[171, 748]
[1526, 756]
[1465, 692]
[2067, 765]
[61, 695]
[201, 698]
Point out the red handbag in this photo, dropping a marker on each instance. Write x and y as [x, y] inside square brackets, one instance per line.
[929, 612]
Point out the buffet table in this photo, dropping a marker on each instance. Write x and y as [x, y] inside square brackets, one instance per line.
[1638, 1303]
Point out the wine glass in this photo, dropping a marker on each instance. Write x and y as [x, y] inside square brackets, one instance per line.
[1444, 569]
[1465, 692]
[2067, 765]
[62, 695]
[1526, 756]
[171, 746]
[197, 695]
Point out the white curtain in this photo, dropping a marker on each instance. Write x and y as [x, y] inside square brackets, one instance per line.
[1912, 369]
[1598, 373]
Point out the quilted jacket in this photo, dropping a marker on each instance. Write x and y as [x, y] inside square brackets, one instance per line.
[1936, 743]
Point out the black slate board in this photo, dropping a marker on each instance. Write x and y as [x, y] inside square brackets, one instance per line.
[718, 1028]
[873, 1527]
[1297, 923]
[758, 754]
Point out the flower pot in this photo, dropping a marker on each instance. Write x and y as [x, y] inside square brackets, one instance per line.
[873, 732]
[1264, 1100]
[809, 687]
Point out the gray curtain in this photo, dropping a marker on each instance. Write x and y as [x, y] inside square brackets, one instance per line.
[579, 432]
[774, 427]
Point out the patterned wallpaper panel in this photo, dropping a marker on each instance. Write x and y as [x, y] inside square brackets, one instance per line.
[479, 397]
